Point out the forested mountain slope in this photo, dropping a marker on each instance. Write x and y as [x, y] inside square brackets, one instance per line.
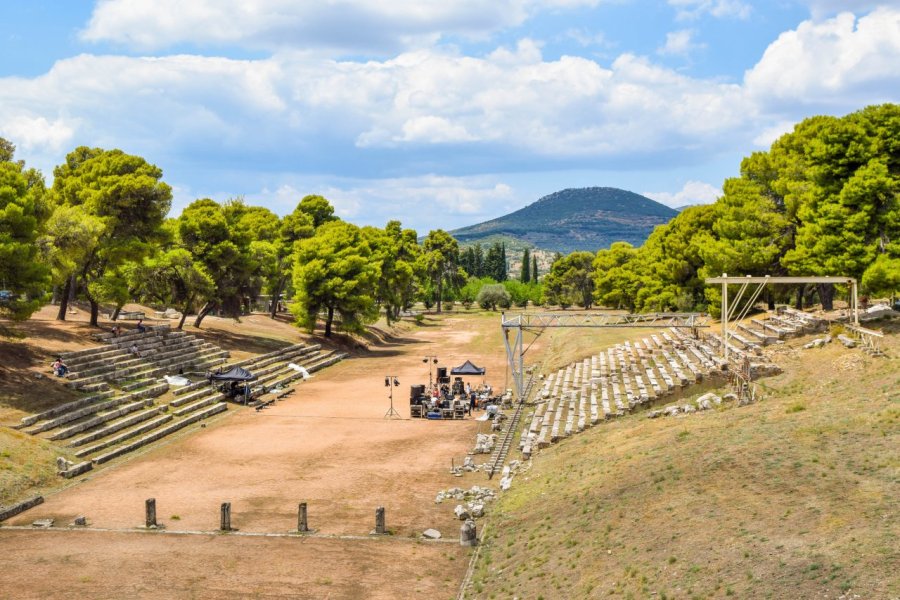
[575, 219]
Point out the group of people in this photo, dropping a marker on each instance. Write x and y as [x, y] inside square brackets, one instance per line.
[442, 396]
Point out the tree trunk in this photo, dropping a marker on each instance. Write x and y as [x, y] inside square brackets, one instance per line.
[440, 292]
[799, 304]
[185, 311]
[770, 297]
[276, 295]
[826, 295]
[328, 321]
[207, 308]
[64, 300]
[95, 312]
[115, 315]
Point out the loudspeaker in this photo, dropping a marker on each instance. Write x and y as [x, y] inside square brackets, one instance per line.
[442, 375]
[415, 391]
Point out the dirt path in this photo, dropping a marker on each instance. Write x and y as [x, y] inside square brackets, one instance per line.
[327, 445]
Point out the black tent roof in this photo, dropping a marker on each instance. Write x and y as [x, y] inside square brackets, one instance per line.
[233, 374]
[467, 368]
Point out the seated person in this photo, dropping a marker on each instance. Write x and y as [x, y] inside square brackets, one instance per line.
[141, 328]
[134, 350]
[59, 367]
[116, 330]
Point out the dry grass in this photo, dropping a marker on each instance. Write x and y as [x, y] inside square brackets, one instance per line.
[764, 501]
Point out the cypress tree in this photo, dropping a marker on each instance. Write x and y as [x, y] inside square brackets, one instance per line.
[534, 270]
[525, 277]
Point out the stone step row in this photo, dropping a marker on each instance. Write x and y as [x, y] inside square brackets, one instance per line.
[64, 408]
[154, 330]
[155, 352]
[161, 433]
[102, 432]
[100, 419]
[148, 369]
[141, 429]
[86, 410]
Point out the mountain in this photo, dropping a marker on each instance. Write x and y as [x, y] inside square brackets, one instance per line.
[574, 219]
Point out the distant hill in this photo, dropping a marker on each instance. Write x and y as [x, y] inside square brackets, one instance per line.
[574, 219]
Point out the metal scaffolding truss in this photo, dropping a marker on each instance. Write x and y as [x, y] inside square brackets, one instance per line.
[730, 311]
[537, 322]
[542, 320]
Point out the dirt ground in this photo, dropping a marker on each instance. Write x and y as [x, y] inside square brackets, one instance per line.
[328, 445]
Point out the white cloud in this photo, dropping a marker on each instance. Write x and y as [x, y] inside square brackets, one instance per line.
[842, 62]
[768, 135]
[680, 43]
[418, 202]
[367, 25]
[37, 134]
[693, 192]
[693, 9]
[825, 8]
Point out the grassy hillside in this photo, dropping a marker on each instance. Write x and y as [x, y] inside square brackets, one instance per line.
[574, 219]
[796, 496]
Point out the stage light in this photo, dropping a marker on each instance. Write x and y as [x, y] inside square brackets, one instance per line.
[387, 382]
[396, 382]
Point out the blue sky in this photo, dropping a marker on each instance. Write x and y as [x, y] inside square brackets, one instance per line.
[440, 114]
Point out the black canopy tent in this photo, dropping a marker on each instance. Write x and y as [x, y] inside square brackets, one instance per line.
[467, 368]
[239, 379]
[233, 374]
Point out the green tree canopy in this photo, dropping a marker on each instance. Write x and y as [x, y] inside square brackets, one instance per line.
[126, 194]
[334, 273]
[22, 215]
[439, 261]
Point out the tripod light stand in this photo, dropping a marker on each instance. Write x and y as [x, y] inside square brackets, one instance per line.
[431, 360]
[391, 381]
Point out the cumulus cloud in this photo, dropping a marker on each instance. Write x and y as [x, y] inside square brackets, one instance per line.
[693, 192]
[769, 134]
[37, 134]
[842, 62]
[353, 25]
[693, 9]
[418, 202]
[680, 43]
[825, 8]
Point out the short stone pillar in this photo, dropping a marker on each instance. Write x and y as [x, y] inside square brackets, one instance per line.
[150, 509]
[225, 524]
[467, 534]
[302, 525]
[379, 521]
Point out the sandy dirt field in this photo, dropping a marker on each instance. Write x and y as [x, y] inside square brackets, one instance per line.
[327, 445]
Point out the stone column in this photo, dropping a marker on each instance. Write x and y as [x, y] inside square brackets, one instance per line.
[467, 534]
[302, 525]
[225, 525]
[150, 506]
[379, 521]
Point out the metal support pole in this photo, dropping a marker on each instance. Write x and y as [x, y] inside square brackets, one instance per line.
[725, 315]
[855, 303]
